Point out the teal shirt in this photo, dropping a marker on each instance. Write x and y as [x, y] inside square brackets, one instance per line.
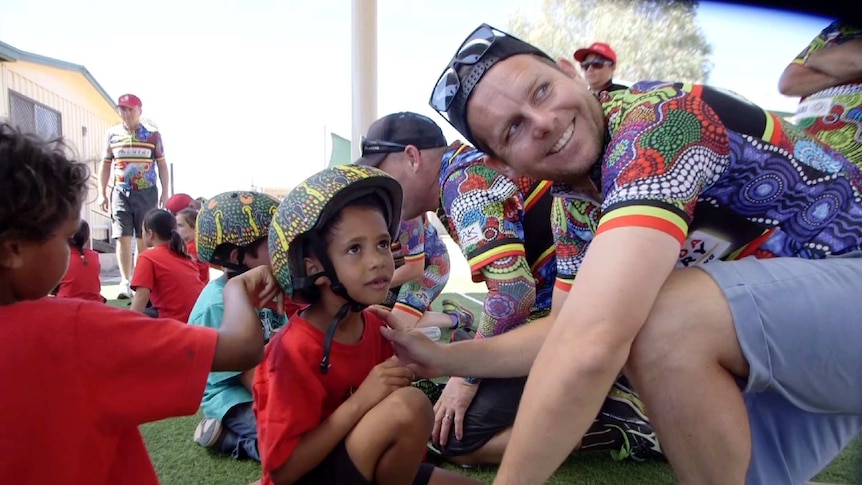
[224, 389]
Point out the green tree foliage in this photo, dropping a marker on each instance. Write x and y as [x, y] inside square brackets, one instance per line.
[653, 39]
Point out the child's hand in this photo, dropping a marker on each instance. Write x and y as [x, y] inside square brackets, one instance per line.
[262, 287]
[383, 379]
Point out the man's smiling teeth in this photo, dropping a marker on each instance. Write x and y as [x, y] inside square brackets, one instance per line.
[567, 135]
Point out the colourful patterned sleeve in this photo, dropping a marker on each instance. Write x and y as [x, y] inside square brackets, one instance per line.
[412, 239]
[109, 153]
[159, 152]
[416, 296]
[836, 33]
[666, 145]
[573, 222]
[483, 208]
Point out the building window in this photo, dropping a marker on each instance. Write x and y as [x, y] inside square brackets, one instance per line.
[32, 117]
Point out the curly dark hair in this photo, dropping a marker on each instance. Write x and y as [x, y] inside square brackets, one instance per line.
[40, 186]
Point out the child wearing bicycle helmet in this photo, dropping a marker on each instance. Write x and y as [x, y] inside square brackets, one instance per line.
[231, 232]
[334, 406]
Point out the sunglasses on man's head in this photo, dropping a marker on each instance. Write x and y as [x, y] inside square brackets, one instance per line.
[595, 64]
[471, 51]
[380, 146]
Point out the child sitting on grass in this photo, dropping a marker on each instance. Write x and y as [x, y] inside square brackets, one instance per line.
[82, 278]
[165, 275]
[79, 377]
[333, 405]
[186, 223]
[232, 232]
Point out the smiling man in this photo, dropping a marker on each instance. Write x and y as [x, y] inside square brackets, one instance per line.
[502, 226]
[657, 177]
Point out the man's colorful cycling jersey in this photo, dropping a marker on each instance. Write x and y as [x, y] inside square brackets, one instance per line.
[492, 217]
[719, 174]
[834, 114]
[134, 155]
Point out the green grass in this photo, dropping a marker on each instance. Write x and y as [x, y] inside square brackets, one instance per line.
[179, 461]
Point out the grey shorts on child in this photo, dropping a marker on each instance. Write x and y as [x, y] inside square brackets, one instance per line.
[799, 324]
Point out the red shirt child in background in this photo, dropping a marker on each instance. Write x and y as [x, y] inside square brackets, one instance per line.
[186, 220]
[164, 274]
[82, 277]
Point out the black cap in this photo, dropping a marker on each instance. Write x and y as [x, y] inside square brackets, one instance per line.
[394, 132]
[504, 46]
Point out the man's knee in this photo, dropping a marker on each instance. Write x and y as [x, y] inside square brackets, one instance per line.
[690, 323]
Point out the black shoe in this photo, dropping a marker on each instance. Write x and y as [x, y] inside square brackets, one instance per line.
[431, 389]
[624, 411]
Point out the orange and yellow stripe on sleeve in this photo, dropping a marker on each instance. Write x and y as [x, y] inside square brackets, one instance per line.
[660, 218]
[479, 261]
[563, 284]
[408, 309]
[412, 258]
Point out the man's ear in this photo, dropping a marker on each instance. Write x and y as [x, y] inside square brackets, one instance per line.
[568, 68]
[10, 254]
[501, 167]
[414, 158]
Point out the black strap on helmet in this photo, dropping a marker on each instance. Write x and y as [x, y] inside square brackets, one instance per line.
[337, 288]
[330, 334]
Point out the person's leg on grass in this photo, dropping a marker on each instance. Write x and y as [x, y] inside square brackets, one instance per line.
[122, 230]
[785, 325]
[388, 443]
[124, 257]
[683, 364]
[241, 422]
[621, 427]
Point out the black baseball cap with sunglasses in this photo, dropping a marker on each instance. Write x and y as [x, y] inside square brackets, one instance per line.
[483, 48]
[394, 132]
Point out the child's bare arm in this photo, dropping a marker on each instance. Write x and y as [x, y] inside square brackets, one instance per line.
[247, 379]
[316, 444]
[240, 338]
[139, 301]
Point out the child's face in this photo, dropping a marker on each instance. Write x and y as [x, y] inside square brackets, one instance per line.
[187, 232]
[149, 237]
[361, 255]
[33, 268]
[259, 257]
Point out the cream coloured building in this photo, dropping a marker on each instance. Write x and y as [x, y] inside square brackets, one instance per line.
[57, 98]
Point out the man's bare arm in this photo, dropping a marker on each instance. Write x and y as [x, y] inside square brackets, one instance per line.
[843, 61]
[799, 80]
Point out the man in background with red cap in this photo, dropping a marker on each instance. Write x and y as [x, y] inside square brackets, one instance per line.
[598, 62]
[133, 151]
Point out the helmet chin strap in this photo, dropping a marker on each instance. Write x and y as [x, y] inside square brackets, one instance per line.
[337, 288]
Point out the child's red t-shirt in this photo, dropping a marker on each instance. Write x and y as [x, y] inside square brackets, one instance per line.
[77, 379]
[292, 397]
[174, 281]
[82, 278]
[204, 268]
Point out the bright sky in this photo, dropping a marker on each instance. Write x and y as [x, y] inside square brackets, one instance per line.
[244, 90]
